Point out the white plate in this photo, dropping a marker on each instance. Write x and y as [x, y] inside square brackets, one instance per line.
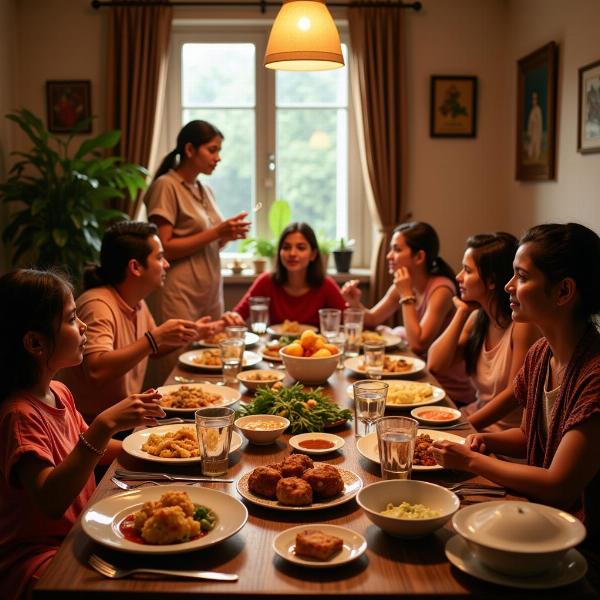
[101, 520]
[249, 339]
[390, 339]
[274, 358]
[571, 568]
[228, 395]
[275, 330]
[187, 358]
[438, 394]
[367, 446]
[354, 545]
[132, 444]
[416, 366]
[336, 440]
[352, 484]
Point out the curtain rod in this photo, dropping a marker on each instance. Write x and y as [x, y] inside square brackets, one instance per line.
[263, 4]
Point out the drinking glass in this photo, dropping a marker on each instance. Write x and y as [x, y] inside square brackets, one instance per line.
[214, 426]
[374, 359]
[259, 314]
[232, 355]
[330, 319]
[369, 403]
[396, 440]
[339, 341]
[236, 331]
[353, 327]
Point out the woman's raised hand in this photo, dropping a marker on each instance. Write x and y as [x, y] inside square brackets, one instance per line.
[234, 228]
[135, 410]
[466, 307]
[175, 332]
[232, 318]
[206, 327]
[403, 282]
[351, 292]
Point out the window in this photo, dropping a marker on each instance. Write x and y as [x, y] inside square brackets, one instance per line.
[287, 135]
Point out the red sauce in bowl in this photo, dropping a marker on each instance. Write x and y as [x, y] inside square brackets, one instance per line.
[435, 415]
[129, 532]
[316, 444]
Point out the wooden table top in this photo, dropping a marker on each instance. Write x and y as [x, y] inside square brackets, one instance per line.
[389, 567]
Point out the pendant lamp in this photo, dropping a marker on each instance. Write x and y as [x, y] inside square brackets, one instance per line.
[304, 38]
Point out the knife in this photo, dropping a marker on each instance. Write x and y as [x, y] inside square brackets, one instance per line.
[136, 475]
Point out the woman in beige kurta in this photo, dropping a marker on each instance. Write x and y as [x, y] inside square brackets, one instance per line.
[191, 229]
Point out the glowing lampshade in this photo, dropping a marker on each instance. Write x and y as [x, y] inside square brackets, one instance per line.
[304, 38]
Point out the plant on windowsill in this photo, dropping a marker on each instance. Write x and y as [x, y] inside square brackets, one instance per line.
[342, 255]
[62, 196]
[326, 245]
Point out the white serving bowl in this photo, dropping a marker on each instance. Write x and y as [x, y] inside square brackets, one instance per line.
[453, 415]
[375, 497]
[309, 370]
[247, 378]
[262, 437]
[518, 538]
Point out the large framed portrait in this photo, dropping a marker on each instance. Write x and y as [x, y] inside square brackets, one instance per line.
[68, 103]
[453, 110]
[536, 114]
[588, 137]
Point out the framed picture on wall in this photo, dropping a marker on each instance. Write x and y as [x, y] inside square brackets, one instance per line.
[536, 114]
[67, 105]
[453, 110]
[588, 137]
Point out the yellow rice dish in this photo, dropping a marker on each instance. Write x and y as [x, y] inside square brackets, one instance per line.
[409, 392]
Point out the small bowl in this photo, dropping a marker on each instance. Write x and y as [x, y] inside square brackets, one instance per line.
[375, 497]
[518, 538]
[453, 415]
[335, 440]
[246, 377]
[309, 370]
[262, 437]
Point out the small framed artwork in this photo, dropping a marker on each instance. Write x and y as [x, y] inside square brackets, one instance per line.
[453, 111]
[588, 137]
[67, 104]
[536, 114]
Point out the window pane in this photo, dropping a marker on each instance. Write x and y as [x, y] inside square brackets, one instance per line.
[311, 167]
[218, 75]
[233, 179]
[319, 88]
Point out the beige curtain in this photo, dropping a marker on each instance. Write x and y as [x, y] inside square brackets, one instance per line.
[377, 76]
[138, 41]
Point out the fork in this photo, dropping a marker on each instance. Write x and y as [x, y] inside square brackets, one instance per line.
[112, 572]
[131, 486]
[476, 489]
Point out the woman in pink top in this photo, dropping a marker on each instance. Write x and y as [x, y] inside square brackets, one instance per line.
[482, 334]
[299, 286]
[423, 289]
[47, 452]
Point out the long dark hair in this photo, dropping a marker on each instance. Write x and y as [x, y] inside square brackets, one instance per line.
[315, 274]
[195, 133]
[121, 242]
[422, 236]
[30, 300]
[493, 254]
[569, 250]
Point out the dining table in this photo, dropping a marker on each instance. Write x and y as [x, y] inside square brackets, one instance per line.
[390, 567]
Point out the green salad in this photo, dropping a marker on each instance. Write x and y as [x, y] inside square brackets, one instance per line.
[306, 411]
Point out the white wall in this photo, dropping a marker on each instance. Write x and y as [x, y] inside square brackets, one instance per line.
[575, 195]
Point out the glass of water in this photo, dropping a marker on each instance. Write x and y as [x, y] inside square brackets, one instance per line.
[353, 327]
[374, 360]
[339, 341]
[330, 320]
[259, 314]
[214, 426]
[236, 331]
[369, 403]
[396, 439]
[232, 355]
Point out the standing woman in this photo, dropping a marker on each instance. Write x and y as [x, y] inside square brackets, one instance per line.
[555, 287]
[482, 333]
[423, 289]
[190, 228]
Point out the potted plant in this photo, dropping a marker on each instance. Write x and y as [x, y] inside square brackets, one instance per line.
[279, 218]
[326, 245]
[342, 255]
[63, 196]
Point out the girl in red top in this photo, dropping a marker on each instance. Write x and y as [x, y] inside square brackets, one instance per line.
[47, 452]
[299, 286]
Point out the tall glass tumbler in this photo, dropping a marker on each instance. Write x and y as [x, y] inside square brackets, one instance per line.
[374, 359]
[214, 426]
[353, 328]
[330, 320]
[259, 314]
[232, 356]
[396, 440]
[236, 331]
[369, 404]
